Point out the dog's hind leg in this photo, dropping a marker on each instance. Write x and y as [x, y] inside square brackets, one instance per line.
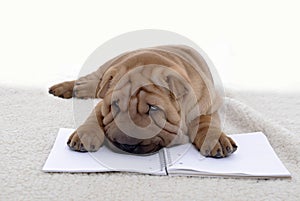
[85, 87]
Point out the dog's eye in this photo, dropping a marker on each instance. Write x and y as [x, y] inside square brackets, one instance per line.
[153, 108]
[115, 104]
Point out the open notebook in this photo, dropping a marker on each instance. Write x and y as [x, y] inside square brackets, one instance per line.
[254, 158]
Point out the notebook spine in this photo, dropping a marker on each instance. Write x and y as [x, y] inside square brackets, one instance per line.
[163, 160]
[168, 157]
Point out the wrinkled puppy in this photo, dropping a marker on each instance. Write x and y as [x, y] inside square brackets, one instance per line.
[151, 98]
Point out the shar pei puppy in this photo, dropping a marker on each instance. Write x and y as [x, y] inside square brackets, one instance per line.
[150, 98]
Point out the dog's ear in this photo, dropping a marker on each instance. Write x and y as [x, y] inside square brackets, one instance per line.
[105, 82]
[177, 85]
[177, 82]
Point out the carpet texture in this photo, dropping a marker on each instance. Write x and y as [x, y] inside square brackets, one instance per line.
[30, 119]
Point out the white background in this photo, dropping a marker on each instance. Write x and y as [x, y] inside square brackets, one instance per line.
[253, 44]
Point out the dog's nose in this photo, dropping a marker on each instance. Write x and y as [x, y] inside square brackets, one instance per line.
[128, 147]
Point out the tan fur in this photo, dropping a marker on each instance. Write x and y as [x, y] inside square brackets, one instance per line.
[176, 79]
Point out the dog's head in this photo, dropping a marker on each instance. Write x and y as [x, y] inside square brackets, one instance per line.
[142, 107]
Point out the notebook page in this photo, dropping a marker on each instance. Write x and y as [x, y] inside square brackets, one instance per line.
[175, 153]
[62, 159]
[254, 157]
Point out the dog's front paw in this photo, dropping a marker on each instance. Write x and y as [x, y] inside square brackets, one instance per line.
[84, 141]
[221, 148]
[224, 147]
[62, 90]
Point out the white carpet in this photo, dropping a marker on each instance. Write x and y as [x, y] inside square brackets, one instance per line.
[30, 120]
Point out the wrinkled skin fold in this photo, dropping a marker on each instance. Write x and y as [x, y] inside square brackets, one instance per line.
[151, 98]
